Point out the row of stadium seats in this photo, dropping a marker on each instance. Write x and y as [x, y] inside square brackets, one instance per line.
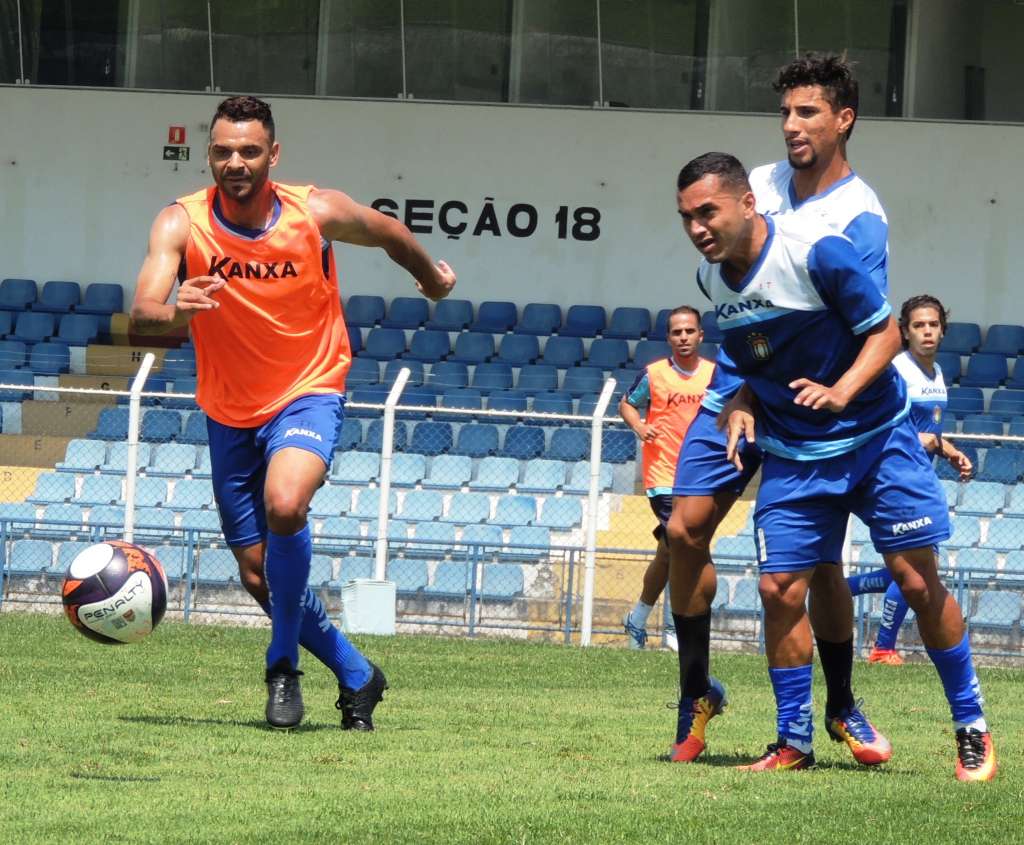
[1000, 339]
[60, 297]
[983, 369]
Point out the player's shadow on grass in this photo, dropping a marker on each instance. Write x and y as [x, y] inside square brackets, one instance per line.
[191, 721]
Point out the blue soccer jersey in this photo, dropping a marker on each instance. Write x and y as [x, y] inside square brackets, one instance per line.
[927, 393]
[801, 312]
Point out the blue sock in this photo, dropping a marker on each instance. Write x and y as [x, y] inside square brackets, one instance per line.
[876, 581]
[287, 572]
[793, 705]
[894, 611]
[956, 669]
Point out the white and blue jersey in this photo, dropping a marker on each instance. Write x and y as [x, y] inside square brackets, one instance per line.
[849, 206]
[927, 393]
[801, 312]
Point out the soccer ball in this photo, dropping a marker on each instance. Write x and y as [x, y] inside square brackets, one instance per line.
[115, 592]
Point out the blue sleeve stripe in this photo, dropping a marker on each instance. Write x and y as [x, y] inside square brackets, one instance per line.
[872, 321]
[639, 395]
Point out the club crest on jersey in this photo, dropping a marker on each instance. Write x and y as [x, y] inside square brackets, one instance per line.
[228, 268]
[760, 348]
[937, 414]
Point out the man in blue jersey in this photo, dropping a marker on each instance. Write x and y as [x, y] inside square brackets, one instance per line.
[813, 339]
[819, 99]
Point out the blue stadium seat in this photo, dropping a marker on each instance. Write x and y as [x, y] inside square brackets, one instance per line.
[150, 492]
[709, 324]
[579, 478]
[1006, 404]
[625, 378]
[25, 377]
[950, 488]
[982, 424]
[350, 436]
[628, 324]
[561, 514]
[579, 381]
[524, 442]
[978, 564]
[961, 338]
[364, 311]
[745, 597]
[117, 457]
[419, 398]
[407, 469]
[1004, 465]
[542, 476]
[363, 371]
[406, 312]
[60, 520]
[83, 455]
[394, 367]
[340, 527]
[708, 351]
[422, 506]
[982, 498]
[451, 578]
[409, 575]
[721, 593]
[985, 370]
[160, 425]
[370, 394]
[1016, 380]
[32, 327]
[153, 523]
[1016, 429]
[587, 404]
[77, 330]
[355, 339]
[507, 400]
[195, 430]
[949, 363]
[468, 508]
[739, 548]
[608, 354]
[31, 556]
[1004, 535]
[660, 330]
[216, 566]
[384, 344]
[102, 298]
[207, 521]
[397, 532]
[53, 487]
[473, 348]
[583, 321]
[183, 385]
[321, 571]
[539, 318]
[331, 500]
[966, 532]
[13, 353]
[519, 349]
[179, 362]
[191, 494]
[553, 402]
[534, 378]
[618, 445]
[99, 490]
[18, 513]
[965, 400]
[495, 317]
[451, 315]
[501, 581]
[495, 375]
[429, 346]
[489, 536]
[650, 350]
[569, 444]
[355, 567]
[1013, 567]
[562, 352]
[431, 438]
[17, 294]
[997, 609]
[68, 551]
[494, 474]
[464, 398]
[448, 375]
[58, 297]
[374, 441]
[477, 440]
[1002, 339]
[515, 510]
[356, 468]
[107, 516]
[448, 472]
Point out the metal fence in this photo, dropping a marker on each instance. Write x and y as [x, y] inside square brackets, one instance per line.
[522, 519]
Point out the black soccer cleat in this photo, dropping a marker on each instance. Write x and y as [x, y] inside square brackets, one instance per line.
[284, 697]
[357, 706]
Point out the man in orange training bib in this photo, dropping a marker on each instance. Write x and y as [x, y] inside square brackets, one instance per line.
[259, 292]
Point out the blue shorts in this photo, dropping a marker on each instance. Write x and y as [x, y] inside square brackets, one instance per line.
[702, 469]
[888, 482]
[239, 458]
[661, 504]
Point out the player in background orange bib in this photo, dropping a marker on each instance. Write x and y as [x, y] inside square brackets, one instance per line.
[259, 292]
[671, 390]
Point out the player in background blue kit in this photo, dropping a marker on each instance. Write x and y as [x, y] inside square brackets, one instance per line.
[819, 100]
[922, 325]
[813, 338]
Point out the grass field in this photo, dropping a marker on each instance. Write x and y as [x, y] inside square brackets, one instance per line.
[477, 742]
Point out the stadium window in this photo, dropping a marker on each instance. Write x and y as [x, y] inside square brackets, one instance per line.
[554, 53]
[169, 46]
[362, 56]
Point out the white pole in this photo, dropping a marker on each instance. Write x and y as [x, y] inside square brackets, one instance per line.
[590, 561]
[387, 448]
[134, 421]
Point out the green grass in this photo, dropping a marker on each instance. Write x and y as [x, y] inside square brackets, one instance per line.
[477, 742]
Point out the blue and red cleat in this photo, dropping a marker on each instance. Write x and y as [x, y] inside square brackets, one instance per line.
[851, 726]
[694, 715]
[780, 757]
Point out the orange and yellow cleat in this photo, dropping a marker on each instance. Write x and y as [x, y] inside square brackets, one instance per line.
[886, 656]
[975, 755]
[781, 757]
[867, 744]
[693, 722]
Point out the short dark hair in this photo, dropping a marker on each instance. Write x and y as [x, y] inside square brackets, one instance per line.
[923, 301]
[684, 309]
[726, 167]
[242, 109]
[833, 73]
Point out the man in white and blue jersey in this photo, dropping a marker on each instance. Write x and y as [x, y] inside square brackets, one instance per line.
[813, 338]
[819, 99]
[922, 325]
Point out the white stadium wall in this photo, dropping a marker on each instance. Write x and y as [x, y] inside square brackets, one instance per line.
[82, 174]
